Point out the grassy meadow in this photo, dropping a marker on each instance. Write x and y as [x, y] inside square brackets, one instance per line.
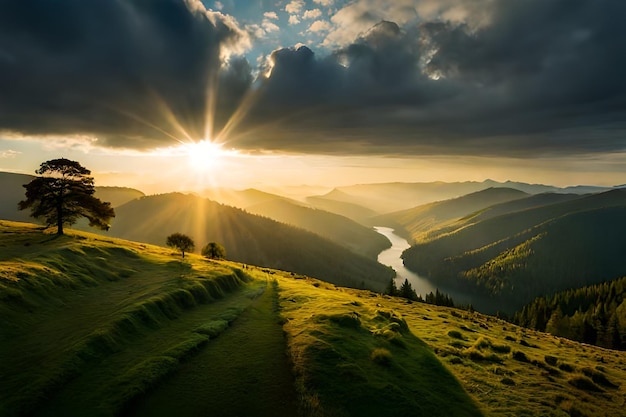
[91, 325]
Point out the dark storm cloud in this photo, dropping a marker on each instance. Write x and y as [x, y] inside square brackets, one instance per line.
[538, 76]
[109, 68]
[541, 77]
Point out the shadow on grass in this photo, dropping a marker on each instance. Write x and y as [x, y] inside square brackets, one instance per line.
[352, 369]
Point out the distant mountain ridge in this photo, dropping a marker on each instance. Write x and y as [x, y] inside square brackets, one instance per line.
[416, 222]
[384, 198]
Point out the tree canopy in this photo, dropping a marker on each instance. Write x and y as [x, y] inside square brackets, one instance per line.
[214, 250]
[181, 242]
[64, 192]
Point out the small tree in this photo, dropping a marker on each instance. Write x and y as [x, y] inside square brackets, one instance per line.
[63, 193]
[407, 291]
[391, 289]
[181, 242]
[214, 250]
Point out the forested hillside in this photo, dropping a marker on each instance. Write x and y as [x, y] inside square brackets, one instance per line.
[417, 223]
[247, 238]
[594, 314]
[522, 255]
[339, 229]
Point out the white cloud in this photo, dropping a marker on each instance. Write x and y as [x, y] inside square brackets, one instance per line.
[219, 5]
[9, 154]
[312, 14]
[358, 16]
[295, 6]
[293, 20]
[324, 3]
[270, 15]
[320, 26]
[270, 26]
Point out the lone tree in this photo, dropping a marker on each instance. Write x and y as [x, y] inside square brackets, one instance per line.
[214, 250]
[63, 193]
[181, 242]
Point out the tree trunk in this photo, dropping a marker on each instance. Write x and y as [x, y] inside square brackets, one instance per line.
[59, 217]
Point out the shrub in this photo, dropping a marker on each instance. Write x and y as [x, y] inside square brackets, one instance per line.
[507, 381]
[584, 383]
[455, 334]
[212, 328]
[550, 360]
[501, 348]
[566, 367]
[520, 356]
[598, 377]
[482, 343]
[381, 356]
[455, 360]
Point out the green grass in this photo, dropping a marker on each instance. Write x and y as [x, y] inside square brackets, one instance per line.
[93, 326]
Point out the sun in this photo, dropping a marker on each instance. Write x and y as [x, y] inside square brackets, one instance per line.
[203, 155]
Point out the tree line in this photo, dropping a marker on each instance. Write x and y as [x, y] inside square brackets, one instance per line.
[406, 291]
[595, 314]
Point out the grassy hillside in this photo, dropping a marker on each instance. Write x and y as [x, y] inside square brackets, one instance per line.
[339, 229]
[529, 253]
[102, 327]
[415, 223]
[247, 238]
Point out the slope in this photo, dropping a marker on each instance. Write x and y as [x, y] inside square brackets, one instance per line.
[102, 327]
[593, 314]
[334, 202]
[247, 238]
[522, 255]
[339, 229]
[416, 222]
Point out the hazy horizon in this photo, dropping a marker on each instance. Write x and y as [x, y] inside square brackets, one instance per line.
[189, 94]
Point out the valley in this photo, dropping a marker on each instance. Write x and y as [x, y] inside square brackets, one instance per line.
[131, 329]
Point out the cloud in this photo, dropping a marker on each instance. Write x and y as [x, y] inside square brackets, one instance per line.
[476, 82]
[125, 72]
[270, 26]
[9, 154]
[319, 26]
[294, 7]
[312, 14]
[324, 3]
[270, 15]
[404, 77]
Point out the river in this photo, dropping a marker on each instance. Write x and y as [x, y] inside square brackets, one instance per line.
[422, 286]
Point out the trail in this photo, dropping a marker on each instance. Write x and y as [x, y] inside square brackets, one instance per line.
[243, 372]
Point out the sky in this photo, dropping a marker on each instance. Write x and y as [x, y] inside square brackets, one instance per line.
[180, 94]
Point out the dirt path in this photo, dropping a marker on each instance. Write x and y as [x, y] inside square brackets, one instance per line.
[244, 372]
